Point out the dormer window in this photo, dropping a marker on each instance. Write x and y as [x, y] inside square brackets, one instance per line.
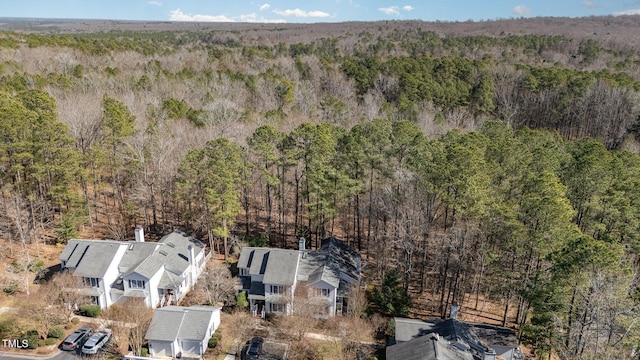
[321, 292]
[136, 284]
[277, 290]
[92, 282]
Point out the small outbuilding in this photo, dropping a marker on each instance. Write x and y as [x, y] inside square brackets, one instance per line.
[181, 331]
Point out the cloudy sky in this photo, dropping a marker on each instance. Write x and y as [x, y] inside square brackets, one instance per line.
[311, 10]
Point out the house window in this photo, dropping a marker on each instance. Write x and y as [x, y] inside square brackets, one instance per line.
[136, 284]
[92, 282]
[243, 272]
[321, 292]
[278, 308]
[277, 289]
[95, 300]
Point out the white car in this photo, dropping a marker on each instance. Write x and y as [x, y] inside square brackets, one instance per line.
[96, 341]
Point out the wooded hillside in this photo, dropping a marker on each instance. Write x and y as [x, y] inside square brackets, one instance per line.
[469, 162]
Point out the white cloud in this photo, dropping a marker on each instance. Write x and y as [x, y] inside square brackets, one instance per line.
[391, 10]
[627, 12]
[155, 3]
[521, 10]
[254, 18]
[589, 4]
[264, 7]
[407, 8]
[301, 13]
[178, 15]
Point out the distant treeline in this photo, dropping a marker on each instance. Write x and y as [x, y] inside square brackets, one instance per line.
[578, 87]
[473, 167]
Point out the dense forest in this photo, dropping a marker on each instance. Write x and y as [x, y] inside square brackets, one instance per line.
[497, 167]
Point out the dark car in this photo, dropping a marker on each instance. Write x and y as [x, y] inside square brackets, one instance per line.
[254, 349]
[76, 339]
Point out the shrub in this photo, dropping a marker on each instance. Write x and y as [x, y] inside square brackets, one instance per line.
[48, 341]
[213, 342]
[7, 327]
[391, 298]
[56, 333]
[32, 338]
[75, 321]
[144, 352]
[11, 289]
[90, 310]
[256, 241]
[36, 265]
[241, 300]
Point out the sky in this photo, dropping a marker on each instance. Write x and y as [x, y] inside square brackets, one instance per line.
[312, 11]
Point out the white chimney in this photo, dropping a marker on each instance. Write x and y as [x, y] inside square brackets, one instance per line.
[453, 314]
[139, 234]
[301, 244]
[489, 354]
[192, 263]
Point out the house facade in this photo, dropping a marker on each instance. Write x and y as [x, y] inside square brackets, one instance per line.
[177, 331]
[111, 271]
[278, 280]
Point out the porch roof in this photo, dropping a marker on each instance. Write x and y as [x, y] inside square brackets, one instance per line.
[169, 280]
[85, 291]
[135, 293]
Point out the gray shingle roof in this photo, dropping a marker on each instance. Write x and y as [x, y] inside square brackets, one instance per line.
[408, 329]
[170, 280]
[165, 325]
[99, 254]
[467, 335]
[327, 264]
[179, 322]
[172, 253]
[136, 293]
[135, 254]
[256, 260]
[277, 265]
[281, 267]
[196, 323]
[326, 274]
[430, 347]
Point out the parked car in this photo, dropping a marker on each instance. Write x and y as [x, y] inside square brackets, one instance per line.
[254, 349]
[76, 339]
[99, 339]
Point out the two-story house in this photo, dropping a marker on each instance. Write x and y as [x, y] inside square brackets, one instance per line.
[110, 271]
[274, 278]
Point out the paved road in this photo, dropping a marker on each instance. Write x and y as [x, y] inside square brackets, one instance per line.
[62, 355]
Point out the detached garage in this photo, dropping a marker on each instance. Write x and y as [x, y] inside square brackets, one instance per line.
[182, 330]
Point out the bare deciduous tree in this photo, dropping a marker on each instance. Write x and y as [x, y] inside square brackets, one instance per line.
[132, 321]
[217, 283]
[238, 326]
[39, 313]
[62, 293]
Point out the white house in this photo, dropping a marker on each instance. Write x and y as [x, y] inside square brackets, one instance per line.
[110, 271]
[272, 277]
[181, 331]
